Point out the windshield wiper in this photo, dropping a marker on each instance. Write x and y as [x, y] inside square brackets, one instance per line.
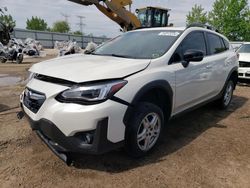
[122, 56]
[114, 55]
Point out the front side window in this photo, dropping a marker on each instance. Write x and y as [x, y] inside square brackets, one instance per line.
[139, 44]
[194, 41]
[215, 43]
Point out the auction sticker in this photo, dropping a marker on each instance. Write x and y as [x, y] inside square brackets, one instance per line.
[169, 33]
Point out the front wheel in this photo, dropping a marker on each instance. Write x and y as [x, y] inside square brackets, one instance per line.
[3, 60]
[227, 96]
[144, 129]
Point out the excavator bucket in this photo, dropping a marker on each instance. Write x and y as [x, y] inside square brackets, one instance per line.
[85, 2]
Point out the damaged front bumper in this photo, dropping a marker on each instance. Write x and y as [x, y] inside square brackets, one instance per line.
[62, 146]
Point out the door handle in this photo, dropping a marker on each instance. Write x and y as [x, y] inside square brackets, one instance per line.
[208, 67]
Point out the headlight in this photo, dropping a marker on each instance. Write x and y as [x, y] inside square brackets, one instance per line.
[91, 94]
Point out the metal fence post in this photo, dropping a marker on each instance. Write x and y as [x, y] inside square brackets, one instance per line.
[52, 37]
[82, 41]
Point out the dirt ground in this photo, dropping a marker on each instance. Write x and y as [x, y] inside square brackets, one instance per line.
[204, 148]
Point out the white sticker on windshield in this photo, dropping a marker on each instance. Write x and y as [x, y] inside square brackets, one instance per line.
[169, 33]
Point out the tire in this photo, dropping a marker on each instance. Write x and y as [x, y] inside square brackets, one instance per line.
[227, 95]
[2, 60]
[19, 59]
[144, 130]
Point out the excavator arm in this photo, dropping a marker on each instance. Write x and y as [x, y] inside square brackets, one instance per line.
[116, 11]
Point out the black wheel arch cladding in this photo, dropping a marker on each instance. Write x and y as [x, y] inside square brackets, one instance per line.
[158, 85]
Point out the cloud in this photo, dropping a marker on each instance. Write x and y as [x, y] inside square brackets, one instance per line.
[95, 21]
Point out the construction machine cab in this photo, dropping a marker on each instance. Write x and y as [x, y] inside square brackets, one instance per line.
[153, 16]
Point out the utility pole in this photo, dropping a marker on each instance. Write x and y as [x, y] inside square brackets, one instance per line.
[81, 24]
[66, 17]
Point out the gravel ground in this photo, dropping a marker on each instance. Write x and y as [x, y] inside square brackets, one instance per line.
[204, 148]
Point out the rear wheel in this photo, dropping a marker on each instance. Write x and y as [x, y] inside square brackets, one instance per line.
[227, 96]
[144, 129]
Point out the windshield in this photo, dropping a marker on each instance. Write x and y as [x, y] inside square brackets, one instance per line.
[245, 48]
[139, 44]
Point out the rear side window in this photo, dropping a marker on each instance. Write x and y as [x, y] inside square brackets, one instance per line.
[216, 44]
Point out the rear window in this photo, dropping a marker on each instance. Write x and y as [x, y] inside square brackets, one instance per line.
[215, 44]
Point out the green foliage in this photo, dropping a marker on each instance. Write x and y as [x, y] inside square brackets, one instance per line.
[77, 33]
[36, 23]
[61, 27]
[8, 21]
[197, 15]
[232, 18]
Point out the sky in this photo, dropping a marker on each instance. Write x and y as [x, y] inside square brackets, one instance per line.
[96, 22]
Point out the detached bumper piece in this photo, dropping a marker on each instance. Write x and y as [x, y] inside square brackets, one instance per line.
[91, 142]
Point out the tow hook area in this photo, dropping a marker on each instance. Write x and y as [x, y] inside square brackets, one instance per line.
[61, 155]
[20, 115]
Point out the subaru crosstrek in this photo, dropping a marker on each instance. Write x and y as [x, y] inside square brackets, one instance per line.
[123, 93]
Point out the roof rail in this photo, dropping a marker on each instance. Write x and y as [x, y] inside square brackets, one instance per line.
[206, 26]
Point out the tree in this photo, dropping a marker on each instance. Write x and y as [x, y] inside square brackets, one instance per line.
[36, 23]
[77, 33]
[61, 27]
[232, 18]
[8, 21]
[197, 15]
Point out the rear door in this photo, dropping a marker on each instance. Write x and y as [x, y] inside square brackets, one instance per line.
[219, 56]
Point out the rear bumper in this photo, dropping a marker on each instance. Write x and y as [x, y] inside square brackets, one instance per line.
[62, 145]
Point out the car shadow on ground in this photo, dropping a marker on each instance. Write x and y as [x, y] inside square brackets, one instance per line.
[4, 107]
[244, 82]
[177, 134]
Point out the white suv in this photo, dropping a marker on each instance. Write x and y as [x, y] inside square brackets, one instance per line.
[124, 92]
[244, 61]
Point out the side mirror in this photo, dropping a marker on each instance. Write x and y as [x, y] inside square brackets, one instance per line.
[192, 55]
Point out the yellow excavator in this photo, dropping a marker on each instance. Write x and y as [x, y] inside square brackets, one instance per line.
[120, 12]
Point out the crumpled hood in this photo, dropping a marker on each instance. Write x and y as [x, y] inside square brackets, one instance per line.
[244, 57]
[83, 68]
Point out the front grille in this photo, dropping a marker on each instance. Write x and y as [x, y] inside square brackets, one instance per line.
[241, 74]
[33, 100]
[244, 64]
[247, 74]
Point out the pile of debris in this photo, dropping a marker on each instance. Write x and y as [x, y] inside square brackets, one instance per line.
[67, 47]
[16, 49]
